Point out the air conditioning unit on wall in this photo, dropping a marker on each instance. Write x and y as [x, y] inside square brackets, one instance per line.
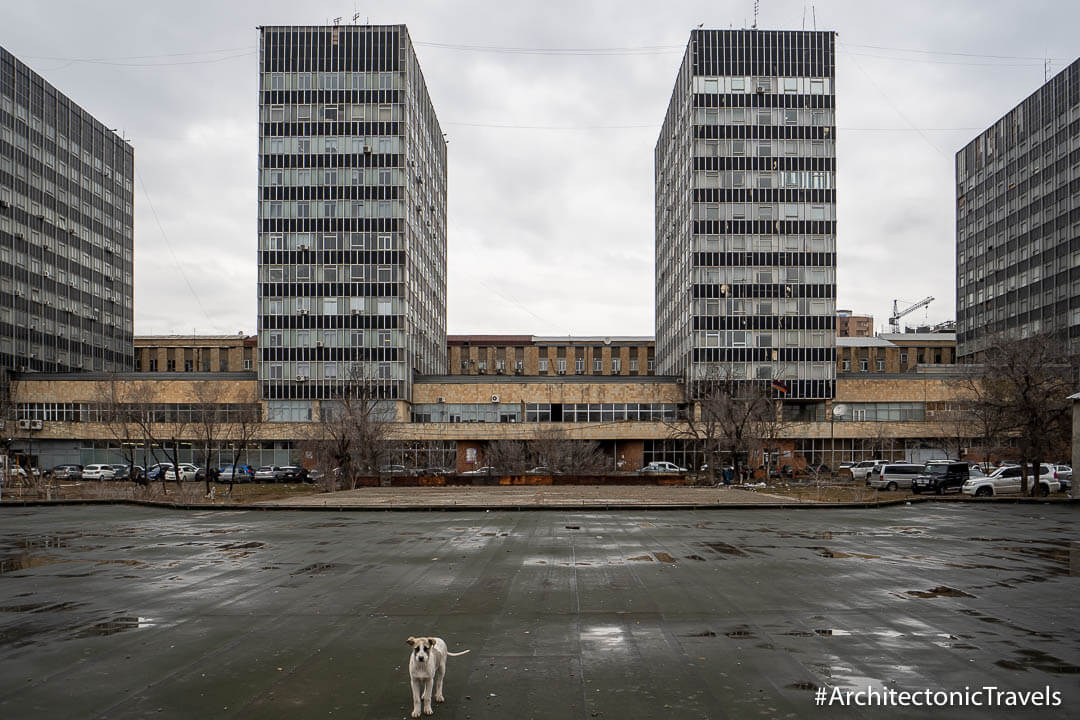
[494, 398]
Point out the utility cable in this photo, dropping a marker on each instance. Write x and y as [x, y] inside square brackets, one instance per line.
[164, 235]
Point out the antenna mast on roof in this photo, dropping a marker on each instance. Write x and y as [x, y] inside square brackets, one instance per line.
[756, 3]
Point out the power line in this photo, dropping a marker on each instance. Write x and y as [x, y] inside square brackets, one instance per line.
[176, 261]
[948, 52]
[635, 50]
[513, 126]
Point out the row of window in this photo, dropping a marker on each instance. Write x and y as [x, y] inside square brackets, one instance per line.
[151, 412]
[333, 209]
[152, 365]
[764, 243]
[327, 144]
[305, 371]
[783, 306]
[332, 273]
[306, 338]
[305, 305]
[884, 412]
[764, 84]
[800, 148]
[332, 241]
[764, 371]
[740, 275]
[764, 179]
[332, 177]
[354, 112]
[763, 338]
[333, 81]
[763, 211]
[764, 116]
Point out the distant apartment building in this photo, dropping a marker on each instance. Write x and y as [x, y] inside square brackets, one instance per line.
[746, 212]
[1017, 222]
[195, 353]
[66, 231]
[849, 324]
[534, 355]
[894, 352]
[352, 216]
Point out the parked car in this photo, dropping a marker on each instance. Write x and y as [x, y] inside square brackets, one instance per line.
[188, 472]
[893, 476]
[941, 476]
[98, 472]
[236, 473]
[294, 473]
[860, 470]
[128, 472]
[268, 473]
[1006, 481]
[485, 470]
[540, 470]
[157, 472]
[67, 472]
[662, 466]
[1063, 473]
[392, 469]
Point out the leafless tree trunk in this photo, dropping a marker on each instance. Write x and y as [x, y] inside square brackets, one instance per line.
[509, 457]
[730, 417]
[1023, 388]
[118, 409]
[555, 450]
[352, 434]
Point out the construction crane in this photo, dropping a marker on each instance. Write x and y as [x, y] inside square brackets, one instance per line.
[897, 313]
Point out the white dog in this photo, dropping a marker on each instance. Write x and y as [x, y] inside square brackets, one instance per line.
[427, 668]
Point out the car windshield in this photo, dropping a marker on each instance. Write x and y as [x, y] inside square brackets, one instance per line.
[936, 469]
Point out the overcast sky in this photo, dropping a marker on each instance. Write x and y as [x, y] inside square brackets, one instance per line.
[551, 153]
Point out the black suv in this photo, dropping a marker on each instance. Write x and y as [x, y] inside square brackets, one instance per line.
[940, 476]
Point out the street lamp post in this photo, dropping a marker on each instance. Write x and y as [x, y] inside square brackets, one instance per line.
[837, 411]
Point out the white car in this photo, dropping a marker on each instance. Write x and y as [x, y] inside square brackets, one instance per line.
[98, 472]
[486, 470]
[860, 470]
[187, 472]
[662, 466]
[1006, 481]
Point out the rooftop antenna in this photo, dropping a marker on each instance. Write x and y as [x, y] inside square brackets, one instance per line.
[1046, 70]
[756, 3]
[337, 20]
[804, 15]
[813, 14]
[355, 17]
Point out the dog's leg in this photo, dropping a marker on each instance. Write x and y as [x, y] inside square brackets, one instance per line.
[427, 696]
[440, 673]
[415, 697]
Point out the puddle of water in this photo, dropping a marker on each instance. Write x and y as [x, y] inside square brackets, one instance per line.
[641, 558]
[114, 626]
[608, 637]
[315, 569]
[939, 591]
[26, 561]
[725, 549]
[664, 557]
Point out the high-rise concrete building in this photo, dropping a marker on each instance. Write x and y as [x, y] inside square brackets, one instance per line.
[746, 213]
[66, 240]
[352, 216]
[1018, 222]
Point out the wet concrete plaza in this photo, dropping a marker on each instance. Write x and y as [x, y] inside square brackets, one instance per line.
[134, 612]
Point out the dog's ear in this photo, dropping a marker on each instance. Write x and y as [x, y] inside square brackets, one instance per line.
[411, 641]
[431, 642]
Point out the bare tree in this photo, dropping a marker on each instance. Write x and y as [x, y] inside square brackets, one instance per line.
[353, 431]
[211, 424]
[560, 453]
[7, 418]
[509, 457]
[730, 418]
[118, 410]
[243, 426]
[1024, 387]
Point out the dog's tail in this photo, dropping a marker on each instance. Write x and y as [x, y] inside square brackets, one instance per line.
[463, 652]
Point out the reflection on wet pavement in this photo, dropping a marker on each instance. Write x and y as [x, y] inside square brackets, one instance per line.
[632, 614]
